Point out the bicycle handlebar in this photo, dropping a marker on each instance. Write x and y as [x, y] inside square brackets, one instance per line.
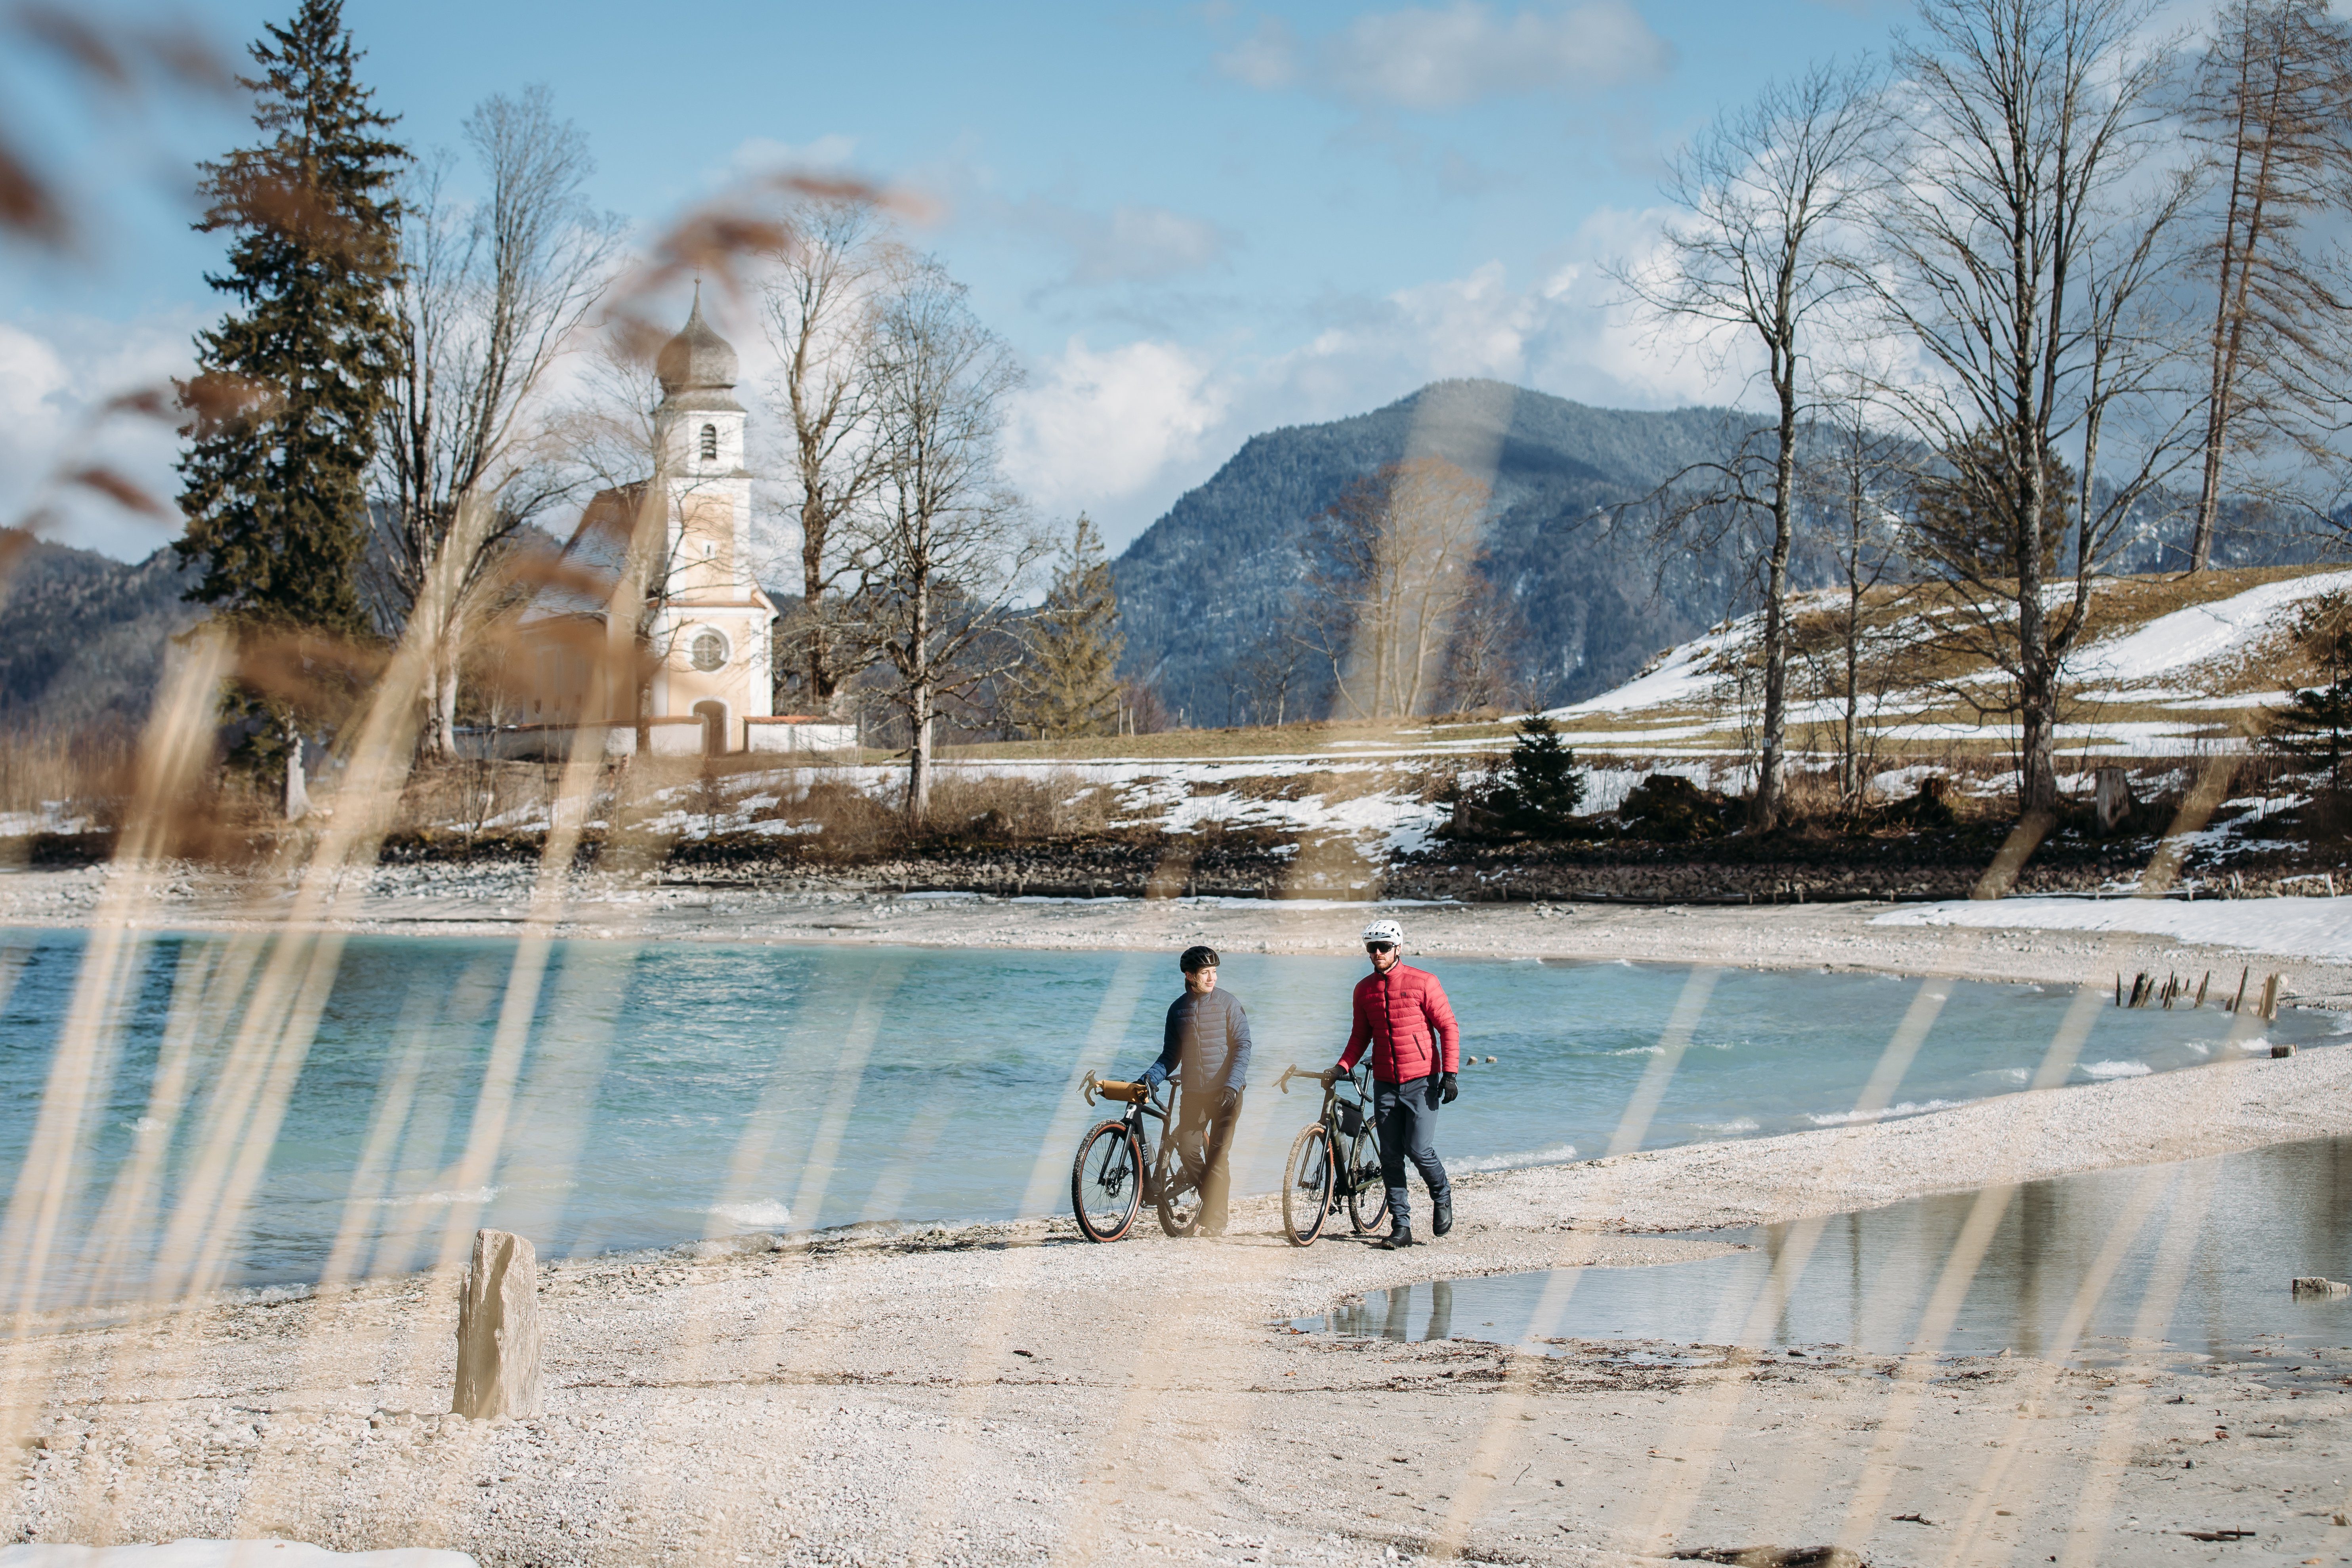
[1295, 1070]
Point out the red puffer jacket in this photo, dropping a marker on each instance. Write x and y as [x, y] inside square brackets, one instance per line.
[1398, 1012]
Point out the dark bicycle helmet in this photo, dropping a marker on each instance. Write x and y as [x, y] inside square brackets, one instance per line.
[1197, 958]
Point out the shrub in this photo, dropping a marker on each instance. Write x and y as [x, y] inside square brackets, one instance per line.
[1541, 786]
[1667, 808]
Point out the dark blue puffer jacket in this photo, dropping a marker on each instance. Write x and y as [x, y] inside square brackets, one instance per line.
[1208, 1039]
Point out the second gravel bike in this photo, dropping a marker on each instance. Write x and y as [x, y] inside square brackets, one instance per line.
[1334, 1159]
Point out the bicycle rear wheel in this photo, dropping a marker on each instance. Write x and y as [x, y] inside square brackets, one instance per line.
[1176, 1187]
[1106, 1181]
[1306, 1186]
[1367, 1195]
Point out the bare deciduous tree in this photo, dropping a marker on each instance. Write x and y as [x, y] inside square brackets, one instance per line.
[1770, 190]
[486, 299]
[1396, 557]
[1859, 477]
[819, 302]
[2025, 245]
[2272, 105]
[942, 546]
[1485, 668]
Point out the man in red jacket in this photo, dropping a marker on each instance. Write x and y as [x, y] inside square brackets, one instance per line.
[1402, 1013]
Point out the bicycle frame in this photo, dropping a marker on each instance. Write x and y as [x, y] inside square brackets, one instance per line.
[1137, 1108]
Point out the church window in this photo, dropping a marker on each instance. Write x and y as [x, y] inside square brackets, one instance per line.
[710, 443]
[709, 651]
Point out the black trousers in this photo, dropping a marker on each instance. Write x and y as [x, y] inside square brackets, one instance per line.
[1214, 1158]
[1405, 1116]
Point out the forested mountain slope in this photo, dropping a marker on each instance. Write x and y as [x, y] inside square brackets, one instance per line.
[82, 636]
[1213, 581]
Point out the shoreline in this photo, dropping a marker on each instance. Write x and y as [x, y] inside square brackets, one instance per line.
[1003, 1392]
[849, 1398]
[494, 902]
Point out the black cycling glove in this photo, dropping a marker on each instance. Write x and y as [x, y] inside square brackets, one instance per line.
[1446, 1091]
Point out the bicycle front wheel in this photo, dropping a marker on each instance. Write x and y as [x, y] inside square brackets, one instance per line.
[1176, 1188]
[1367, 1195]
[1306, 1186]
[1107, 1181]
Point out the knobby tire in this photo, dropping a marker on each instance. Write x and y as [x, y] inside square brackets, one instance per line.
[1113, 1182]
[1306, 1186]
[1367, 1195]
[1176, 1190]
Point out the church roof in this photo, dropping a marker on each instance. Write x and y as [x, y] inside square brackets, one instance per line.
[588, 572]
[698, 359]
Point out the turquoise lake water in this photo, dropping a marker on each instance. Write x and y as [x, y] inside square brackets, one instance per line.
[2195, 1260]
[665, 1093]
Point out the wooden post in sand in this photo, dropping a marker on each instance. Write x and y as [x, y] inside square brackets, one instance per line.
[498, 1330]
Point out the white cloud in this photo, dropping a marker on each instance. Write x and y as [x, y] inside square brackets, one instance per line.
[1124, 433]
[56, 375]
[1131, 244]
[1096, 427]
[1424, 58]
[1267, 60]
[756, 155]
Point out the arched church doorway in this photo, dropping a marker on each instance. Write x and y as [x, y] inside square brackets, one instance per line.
[714, 727]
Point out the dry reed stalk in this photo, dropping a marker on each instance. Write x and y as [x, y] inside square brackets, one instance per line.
[1466, 1497]
[794, 1336]
[177, 738]
[1172, 1347]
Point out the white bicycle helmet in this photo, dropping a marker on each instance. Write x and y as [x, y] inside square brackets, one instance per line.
[1385, 930]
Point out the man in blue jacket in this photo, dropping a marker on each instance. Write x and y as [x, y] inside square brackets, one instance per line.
[1207, 1045]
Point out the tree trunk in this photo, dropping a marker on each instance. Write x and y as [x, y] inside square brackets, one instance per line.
[919, 756]
[1850, 774]
[820, 670]
[2037, 785]
[919, 678]
[297, 792]
[2037, 680]
[444, 696]
[1770, 785]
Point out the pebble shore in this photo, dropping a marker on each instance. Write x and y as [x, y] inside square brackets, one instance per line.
[1009, 1393]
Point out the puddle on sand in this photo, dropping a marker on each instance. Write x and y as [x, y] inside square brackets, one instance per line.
[2198, 1260]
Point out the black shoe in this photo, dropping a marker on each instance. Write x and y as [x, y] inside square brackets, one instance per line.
[1442, 1220]
[1395, 1240]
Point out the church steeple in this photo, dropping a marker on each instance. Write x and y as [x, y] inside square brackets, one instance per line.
[697, 368]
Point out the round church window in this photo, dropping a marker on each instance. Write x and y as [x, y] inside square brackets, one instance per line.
[709, 651]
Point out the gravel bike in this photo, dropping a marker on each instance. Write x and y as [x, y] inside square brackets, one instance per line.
[1334, 1159]
[1117, 1170]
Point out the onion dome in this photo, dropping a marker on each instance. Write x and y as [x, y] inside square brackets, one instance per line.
[698, 359]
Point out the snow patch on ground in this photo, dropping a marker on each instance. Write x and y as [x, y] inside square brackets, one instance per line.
[2300, 928]
[2202, 633]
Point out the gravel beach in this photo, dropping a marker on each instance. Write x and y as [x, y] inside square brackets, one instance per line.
[1010, 1393]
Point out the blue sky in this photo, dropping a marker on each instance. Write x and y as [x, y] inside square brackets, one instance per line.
[1192, 222]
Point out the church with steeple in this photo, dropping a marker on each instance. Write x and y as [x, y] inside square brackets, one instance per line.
[705, 679]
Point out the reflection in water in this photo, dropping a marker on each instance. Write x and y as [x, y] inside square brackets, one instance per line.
[2199, 1256]
[1389, 1315]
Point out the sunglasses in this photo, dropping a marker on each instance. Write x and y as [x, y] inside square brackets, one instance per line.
[1380, 947]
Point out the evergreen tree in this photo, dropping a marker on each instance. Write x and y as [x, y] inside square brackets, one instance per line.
[1068, 686]
[2316, 725]
[290, 385]
[1541, 785]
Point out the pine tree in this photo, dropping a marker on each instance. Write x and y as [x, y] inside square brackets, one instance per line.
[2316, 725]
[290, 385]
[1541, 785]
[1068, 686]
